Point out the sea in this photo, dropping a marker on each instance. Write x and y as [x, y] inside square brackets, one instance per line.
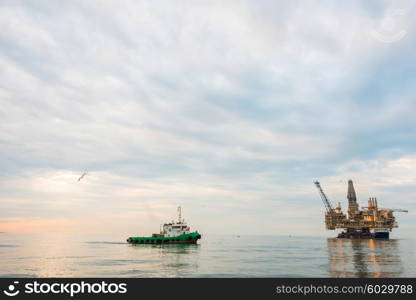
[64, 255]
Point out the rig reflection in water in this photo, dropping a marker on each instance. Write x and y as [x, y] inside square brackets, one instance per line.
[364, 258]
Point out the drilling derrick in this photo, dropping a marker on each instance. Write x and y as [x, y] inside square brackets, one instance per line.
[369, 222]
[353, 210]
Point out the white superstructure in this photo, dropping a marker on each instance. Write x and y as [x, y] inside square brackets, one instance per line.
[174, 229]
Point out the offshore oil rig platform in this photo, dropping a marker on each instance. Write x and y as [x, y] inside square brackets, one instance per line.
[368, 222]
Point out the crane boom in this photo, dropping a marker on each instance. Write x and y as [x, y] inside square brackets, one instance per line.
[396, 209]
[324, 198]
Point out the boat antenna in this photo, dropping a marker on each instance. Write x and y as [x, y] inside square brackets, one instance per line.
[179, 214]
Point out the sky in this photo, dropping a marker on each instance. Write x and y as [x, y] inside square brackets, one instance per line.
[230, 109]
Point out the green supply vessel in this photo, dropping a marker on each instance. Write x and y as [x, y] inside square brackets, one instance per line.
[171, 233]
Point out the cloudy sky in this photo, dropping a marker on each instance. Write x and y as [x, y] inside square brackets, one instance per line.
[229, 108]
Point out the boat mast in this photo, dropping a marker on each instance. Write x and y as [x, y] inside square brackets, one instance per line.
[179, 214]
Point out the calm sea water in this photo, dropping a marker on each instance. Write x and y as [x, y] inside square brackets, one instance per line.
[215, 256]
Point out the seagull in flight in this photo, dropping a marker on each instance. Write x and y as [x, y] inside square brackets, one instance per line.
[82, 176]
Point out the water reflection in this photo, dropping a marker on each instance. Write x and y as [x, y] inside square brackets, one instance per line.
[364, 258]
[174, 260]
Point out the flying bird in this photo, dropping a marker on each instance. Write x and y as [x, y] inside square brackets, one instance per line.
[82, 176]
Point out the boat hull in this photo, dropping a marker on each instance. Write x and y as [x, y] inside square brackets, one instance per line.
[189, 238]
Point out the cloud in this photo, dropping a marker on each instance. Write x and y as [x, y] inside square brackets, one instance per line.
[231, 109]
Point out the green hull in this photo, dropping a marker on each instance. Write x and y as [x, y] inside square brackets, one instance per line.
[189, 238]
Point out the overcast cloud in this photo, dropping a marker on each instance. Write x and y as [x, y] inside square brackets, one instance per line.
[228, 108]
